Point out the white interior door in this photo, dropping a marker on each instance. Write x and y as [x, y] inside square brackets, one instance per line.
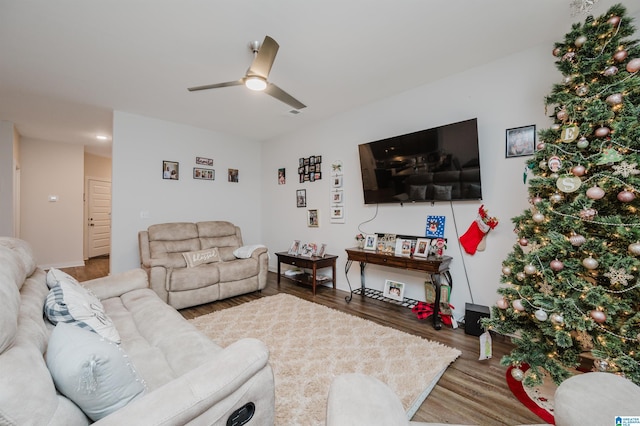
[99, 217]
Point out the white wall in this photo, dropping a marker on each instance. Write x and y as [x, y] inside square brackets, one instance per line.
[504, 94]
[141, 144]
[54, 229]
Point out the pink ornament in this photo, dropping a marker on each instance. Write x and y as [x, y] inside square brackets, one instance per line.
[556, 265]
[598, 316]
[569, 56]
[595, 193]
[588, 214]
[536, 199]
[578, 170]
[577, 240]
[611, 71]
[633, 65]
[502, 303]
[556, 51]
[562, 115]
[523, 242]
[540, 146]
[602, 132]
[626, 196]
[614, 20]
[517, 305]
[620, 55]
[634, 248]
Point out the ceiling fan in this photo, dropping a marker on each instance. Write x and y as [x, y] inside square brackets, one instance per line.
[258, 73]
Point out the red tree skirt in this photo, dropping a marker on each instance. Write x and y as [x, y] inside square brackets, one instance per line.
[536, 403]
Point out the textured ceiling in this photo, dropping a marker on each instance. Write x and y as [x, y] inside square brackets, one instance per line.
[65, 65]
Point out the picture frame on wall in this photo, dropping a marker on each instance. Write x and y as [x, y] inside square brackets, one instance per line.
[337, 181]
[337, 212]
[313, 221]
[521, 141]
[204, 174]
[170, 170]
[233, 175]
[393, 290]
[204, 161]
[301, 198]
[337, 197]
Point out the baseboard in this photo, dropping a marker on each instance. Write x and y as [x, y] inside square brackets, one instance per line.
[70, 264]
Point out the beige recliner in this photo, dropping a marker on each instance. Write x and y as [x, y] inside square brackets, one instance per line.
[162, 255]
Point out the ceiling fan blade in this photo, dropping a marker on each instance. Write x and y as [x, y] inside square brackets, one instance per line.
[261, 65]
[283, 96]
[215, 86]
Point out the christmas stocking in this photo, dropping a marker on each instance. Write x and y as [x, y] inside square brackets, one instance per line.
[477, 231]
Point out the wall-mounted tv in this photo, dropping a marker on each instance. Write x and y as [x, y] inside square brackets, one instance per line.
[439, 164]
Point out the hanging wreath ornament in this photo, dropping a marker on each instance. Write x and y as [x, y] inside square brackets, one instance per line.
[582, 6]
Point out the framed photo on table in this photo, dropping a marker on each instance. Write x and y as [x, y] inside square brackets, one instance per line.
[295, 247]
[422, 247]
[371, 242]
[393, 290]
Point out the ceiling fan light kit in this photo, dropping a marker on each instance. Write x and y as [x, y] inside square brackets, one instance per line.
[255, 83]
[257, 75]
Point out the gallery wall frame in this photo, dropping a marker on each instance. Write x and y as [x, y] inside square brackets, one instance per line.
[170, 170]
[520, 141]
[204, 174]
[301, 198]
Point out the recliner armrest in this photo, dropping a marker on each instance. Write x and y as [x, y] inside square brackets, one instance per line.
[187, 397]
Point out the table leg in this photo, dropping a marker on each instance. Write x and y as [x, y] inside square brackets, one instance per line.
[278, 272]
[313, 279]
[362, 286]
[333, 268]
[347, 266]
[435, 279]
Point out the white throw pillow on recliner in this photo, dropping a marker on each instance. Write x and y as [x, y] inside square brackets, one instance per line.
[91, 371]
[245, 252]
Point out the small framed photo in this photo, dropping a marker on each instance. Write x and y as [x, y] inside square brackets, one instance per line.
[403, 247]
[337, 181]
[301, 198]
[521, 141]
[204, 161]
[308, 249]
[281, 176]
[295, 247]
[393, 290]
[422, 247]
[322, 250]
[371, 242]
[337, 212]
[170, 170]
[312, 218]
[233, 175]
[204, 174]
[337, 196]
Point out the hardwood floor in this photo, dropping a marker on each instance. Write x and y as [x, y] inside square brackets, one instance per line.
[469, 392]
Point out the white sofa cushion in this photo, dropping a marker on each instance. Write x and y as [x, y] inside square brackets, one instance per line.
[93, 372]
[245, 252]
[72, 303]
[200, 257]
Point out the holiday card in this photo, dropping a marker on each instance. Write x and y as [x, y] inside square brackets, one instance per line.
[435, 227]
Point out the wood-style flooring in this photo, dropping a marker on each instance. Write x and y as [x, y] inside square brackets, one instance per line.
[469, 392]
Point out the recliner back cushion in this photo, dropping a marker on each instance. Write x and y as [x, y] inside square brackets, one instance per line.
[179, 237]
[220, 234]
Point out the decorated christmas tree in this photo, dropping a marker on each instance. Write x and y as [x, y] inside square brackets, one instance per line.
[572, 282]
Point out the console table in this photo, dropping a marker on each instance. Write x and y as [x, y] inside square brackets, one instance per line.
[436, 268]
[314, 263]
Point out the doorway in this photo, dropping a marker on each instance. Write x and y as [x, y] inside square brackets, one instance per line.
[98, 217]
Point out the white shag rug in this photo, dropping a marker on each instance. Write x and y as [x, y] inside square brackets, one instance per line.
[310, 344]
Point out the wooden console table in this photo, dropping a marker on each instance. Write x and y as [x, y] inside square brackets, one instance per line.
[314, 263]
[436, 268]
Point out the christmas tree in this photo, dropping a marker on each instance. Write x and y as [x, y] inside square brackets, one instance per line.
[571, 283]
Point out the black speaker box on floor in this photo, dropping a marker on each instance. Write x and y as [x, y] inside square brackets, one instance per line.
[472, 316]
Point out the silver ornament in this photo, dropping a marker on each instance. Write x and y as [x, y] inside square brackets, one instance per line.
[557, 318]
[506, 270]
[530, 269]
[599, 365]
[517, 305]
[538, 218]
[556, 198]
[610, 71]
[577, 240]
[541, 315]
[590, 263]
[614, 99]
[520, 276]
[582, 90]
[582, 143]
[580, 41]
[634, 248]
[517, 374]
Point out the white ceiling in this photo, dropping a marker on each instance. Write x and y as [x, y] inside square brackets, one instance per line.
[65, 65]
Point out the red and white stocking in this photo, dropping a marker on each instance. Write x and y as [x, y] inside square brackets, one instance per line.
[474, 235]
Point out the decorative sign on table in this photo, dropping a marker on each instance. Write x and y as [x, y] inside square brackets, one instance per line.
[435, 227]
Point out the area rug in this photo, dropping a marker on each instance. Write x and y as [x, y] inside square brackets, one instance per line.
[538, 399]
[310, 344]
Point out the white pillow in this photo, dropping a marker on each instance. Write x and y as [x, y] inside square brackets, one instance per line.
[56, 275]
[72, 303]
[195, 258]
[245, 252]
[92, 372]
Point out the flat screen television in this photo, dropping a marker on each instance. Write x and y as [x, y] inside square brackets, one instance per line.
[439, 164]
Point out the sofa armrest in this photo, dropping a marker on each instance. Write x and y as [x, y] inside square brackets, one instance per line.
[189, 396]
[118, 284]
[259, 252]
